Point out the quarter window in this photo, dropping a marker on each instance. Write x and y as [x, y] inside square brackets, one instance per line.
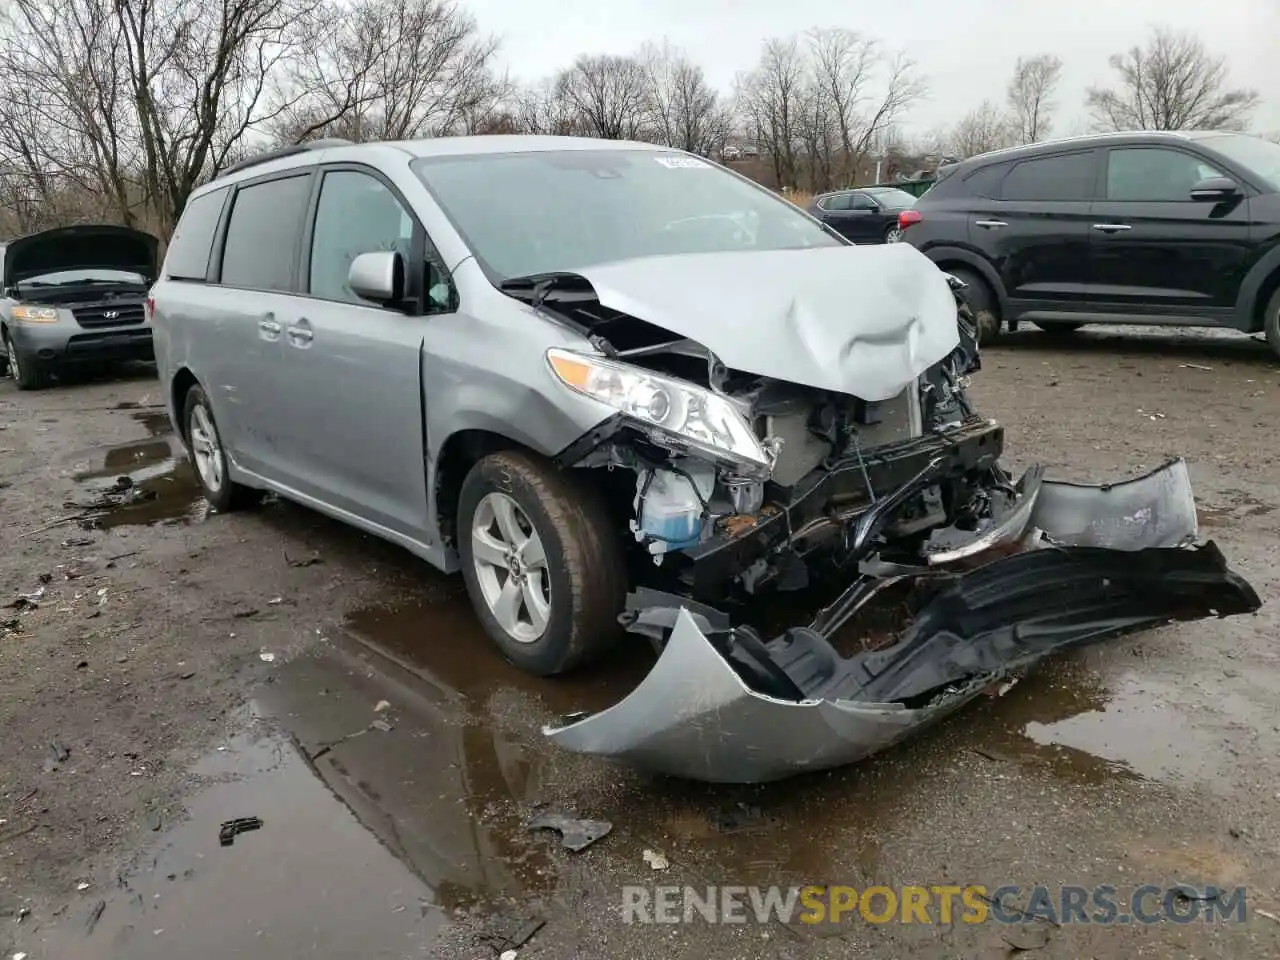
[1154, 175]
[262, 236]
[188, 257]
[1069, 177]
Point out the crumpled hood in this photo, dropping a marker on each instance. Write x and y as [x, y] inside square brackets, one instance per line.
[82, 247]
[861, 320]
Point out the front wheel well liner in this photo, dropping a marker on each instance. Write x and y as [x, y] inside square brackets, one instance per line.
[460, 452]
[183, 381]
[948, 265]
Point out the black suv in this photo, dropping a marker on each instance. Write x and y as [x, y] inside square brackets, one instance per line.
[1175, 228]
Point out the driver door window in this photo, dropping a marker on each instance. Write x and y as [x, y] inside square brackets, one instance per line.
[357, 213]
[1154, 175]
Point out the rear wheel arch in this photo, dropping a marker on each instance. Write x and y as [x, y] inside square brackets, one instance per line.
[181, 385]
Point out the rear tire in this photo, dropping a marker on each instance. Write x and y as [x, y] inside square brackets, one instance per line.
[893, 234]
[204, 444]
[26, 371]
[543, 562]
[1058, 327]
[982, 301]
[1271, 323]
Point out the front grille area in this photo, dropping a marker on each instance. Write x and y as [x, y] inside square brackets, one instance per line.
[108, 314]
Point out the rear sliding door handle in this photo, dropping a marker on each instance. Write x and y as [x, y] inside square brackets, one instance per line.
[300, 333]
[990, 224]
[1112, 227]
[268, 326]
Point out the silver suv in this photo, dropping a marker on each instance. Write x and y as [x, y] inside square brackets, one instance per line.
[618, 385]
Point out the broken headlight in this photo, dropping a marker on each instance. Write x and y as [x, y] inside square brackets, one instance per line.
[695, 417]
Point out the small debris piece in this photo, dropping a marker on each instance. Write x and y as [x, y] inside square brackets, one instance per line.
[265, 656]
[304, 562]
[228, 832]
[505, 933]
[78, 542]
[1195, 366]
[655, 860]
[1026, 936]
[27, 601]
[741, 819]
[82, 886]
[95, 914]
[575, 834]
[381, 725]
[244, 614]
[20, 956]
[275, 601]
[186, 675]
[508, 955]
[1269, 916]
[381, 706]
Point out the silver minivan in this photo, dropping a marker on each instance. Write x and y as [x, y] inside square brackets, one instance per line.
[623, 389]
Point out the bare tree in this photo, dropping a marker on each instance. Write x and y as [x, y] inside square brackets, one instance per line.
[389, 70]
[685, 111]
[1030, 95]
[609, 94]
[826, 102]
[982, 129]
[771, 99]
[1172, 83]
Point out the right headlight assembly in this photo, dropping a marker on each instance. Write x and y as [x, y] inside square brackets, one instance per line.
[696, 417]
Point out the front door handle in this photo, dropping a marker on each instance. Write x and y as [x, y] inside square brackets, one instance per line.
[990, 224]
[300, 334]
[1112, 227]
[268, 327]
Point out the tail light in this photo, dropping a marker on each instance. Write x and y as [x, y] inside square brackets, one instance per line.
[151, 308]
[908, 217]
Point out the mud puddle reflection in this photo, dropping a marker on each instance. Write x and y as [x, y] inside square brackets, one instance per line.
[137, 484]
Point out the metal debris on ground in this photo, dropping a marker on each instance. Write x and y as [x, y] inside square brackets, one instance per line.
[27, 601]
[575, 834]
[1195, 366]
[382, 725]
[95, 914]
[266, 656]
[381, 706]
[655, 860]
[78, 542]
[229, 830]
[508, 955]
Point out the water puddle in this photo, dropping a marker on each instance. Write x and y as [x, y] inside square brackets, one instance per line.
[311, 874]
[1136, 728]
[141, 483]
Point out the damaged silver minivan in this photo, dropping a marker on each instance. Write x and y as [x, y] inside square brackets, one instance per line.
[625, 390]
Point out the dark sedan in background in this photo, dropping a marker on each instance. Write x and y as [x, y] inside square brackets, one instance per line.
[864, 215]
[74, 295]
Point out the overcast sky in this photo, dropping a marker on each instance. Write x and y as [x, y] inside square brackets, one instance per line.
[965, 48]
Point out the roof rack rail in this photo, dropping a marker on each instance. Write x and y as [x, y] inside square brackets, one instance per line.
[281, 152]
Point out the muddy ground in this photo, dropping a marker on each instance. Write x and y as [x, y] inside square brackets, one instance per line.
[182, 669]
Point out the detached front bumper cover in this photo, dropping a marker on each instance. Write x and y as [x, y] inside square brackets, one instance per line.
[722, 705]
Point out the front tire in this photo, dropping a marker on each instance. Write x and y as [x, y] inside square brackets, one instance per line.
[26, 371]
[204, 444]
[981, 302]
[542, 561]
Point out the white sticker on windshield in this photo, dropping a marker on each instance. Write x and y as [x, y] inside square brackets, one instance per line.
[681, 163]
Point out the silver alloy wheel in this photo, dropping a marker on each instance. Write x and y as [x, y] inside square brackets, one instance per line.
[894, 235]
[14, 370]
[206, 448]
[511, 567]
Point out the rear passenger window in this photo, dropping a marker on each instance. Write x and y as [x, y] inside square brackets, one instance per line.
[1067, 177]
[262, 235]
[985, 181]
[188, 256]
[839, 202]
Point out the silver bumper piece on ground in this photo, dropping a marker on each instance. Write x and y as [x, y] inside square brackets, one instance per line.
[721, 705]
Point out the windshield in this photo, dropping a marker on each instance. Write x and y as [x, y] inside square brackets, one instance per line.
[1260, 157]
[529, 213]
[891, 196]
[61, 277]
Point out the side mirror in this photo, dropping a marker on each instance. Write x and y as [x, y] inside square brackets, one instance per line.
[1215, 190]
[377, 276]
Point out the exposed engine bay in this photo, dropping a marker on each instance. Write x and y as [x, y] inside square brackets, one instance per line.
[732, 484]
